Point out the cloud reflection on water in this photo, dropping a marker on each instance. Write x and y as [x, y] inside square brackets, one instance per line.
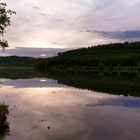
[62, 108]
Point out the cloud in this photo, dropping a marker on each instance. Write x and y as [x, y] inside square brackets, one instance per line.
[121, 35]
[36, 8]
[66, 21]
[43, 14]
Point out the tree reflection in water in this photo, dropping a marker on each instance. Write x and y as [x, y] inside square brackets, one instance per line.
[4, 125]
[117, 84]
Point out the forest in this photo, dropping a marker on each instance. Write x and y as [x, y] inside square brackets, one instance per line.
[115, 57]
[109, 57]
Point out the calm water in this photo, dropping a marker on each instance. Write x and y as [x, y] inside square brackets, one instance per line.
[43, 109]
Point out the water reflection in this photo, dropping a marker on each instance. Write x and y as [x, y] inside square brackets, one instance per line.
[125, 84]
[4, 131]
[54, 111]
[4, 125]
[35, 82]
[126, 102]
[43, 108]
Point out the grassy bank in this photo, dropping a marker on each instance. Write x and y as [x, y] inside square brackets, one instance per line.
[17, 62]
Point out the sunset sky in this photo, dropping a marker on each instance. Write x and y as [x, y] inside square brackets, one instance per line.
[72, 23]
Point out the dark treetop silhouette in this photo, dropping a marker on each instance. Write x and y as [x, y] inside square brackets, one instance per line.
[5, 20]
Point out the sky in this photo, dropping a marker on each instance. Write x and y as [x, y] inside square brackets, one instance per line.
[72, 23]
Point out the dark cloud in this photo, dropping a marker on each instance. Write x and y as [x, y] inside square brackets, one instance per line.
[122, 35]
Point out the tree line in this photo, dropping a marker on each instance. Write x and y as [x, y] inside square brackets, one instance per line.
[114, 54]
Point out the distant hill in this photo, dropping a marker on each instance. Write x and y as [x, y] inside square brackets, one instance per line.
[122, 54]
[112, 56]
[15, 61]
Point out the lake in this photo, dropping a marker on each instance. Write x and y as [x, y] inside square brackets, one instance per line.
[64, 107]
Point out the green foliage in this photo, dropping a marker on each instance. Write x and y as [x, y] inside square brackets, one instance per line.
[3, 44]
[122, 54]
[5, 20]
